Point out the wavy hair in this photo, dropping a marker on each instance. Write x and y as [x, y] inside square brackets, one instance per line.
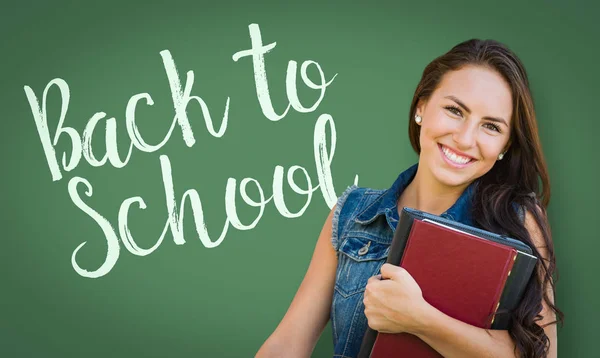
[520, 178]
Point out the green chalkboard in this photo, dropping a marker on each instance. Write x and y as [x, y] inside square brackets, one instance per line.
[94, 262]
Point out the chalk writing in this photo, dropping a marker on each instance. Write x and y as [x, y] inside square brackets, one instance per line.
[181, 93]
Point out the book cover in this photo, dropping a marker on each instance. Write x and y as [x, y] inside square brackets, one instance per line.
[460, 274]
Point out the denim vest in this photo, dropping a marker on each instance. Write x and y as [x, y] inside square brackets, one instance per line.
[363, 225]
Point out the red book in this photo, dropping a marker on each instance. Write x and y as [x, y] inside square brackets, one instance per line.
[460, 274]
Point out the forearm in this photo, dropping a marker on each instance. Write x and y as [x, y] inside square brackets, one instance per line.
[292, 339]
[275, 347]
[454, 338]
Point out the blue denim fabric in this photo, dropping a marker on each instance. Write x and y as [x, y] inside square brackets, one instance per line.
[366, 219]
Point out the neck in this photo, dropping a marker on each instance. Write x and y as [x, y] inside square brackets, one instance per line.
[427, 194]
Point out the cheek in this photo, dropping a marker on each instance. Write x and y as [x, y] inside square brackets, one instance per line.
[427, 138]
[490, 149]
[437, 126]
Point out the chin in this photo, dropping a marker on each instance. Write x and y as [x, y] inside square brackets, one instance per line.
[454, 177]
[451, 178]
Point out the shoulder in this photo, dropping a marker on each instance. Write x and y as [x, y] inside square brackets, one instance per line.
[536, 224]
[355, 195]
[363, 190]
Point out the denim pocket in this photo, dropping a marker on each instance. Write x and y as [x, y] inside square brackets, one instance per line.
[361, 257]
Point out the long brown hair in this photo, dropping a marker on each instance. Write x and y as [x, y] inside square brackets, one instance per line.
[521, 178]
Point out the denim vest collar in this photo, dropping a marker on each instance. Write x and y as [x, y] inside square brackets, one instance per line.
[386, 203]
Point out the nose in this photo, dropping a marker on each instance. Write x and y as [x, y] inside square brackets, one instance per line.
[465, 135]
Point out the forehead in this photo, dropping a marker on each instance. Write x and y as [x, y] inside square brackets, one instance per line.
[483, 90]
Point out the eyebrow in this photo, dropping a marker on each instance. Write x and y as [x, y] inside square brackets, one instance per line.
[460, 103]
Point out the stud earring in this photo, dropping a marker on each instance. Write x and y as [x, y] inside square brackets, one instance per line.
[418, 119]
[500, 156]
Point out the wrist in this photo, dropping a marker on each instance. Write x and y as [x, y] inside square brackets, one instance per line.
[426, 319]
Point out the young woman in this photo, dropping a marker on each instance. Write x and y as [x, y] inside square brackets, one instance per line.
[472, 123]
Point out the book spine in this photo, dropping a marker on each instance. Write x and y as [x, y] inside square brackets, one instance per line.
[509, 264]
[514, 288]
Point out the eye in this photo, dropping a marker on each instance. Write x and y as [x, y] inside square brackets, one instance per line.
[493, 127]
[454, 110]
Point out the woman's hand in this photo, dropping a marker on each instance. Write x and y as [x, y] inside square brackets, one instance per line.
[394, 302]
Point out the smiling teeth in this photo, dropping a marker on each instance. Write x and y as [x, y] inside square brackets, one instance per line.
[455, 158]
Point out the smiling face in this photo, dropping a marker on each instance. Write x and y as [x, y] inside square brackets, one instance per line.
[465, 125]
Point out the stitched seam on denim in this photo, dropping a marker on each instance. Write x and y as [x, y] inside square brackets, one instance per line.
[369, 206]
[336, 216]
[352, 293]
[352, 325]
[359, 235]
[351, 218]
[380, 256]
[362, 199]
[345, 294]
[370, 191]
[334, 327]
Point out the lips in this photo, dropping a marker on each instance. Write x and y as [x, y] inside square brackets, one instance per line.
[454, 158]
